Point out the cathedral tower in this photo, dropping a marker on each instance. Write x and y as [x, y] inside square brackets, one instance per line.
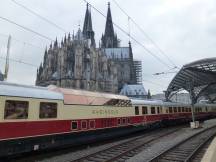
[109, 39]
[88, 32]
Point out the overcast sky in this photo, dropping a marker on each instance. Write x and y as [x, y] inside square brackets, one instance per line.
[184, 29]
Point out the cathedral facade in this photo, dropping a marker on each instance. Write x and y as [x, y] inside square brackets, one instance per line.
[75, 62]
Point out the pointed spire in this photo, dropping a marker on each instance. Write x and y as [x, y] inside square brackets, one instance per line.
[62, 43]
[88, 21]
[50, 46]
[69, 37]
[109, 39]
[109, 30]
[56, 43]
[88, 32]
[149, 94]
[45, 57]
[65, 39]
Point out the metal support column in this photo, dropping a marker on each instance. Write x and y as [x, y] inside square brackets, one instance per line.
[192, 97]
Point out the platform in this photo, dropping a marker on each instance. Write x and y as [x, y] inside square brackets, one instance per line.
[210, 155]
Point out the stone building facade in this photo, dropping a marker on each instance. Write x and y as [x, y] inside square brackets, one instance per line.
[77, 63]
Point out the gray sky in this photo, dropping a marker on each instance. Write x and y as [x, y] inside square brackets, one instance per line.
[184, 29]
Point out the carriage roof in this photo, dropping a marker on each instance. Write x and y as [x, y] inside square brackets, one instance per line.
[155, 103]
[17, 90]
[70, 96]
[74, 96]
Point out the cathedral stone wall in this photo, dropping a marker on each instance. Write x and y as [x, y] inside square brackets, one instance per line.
[76, 64]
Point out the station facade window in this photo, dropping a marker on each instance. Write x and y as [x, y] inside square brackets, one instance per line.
[136, 110]
[16, 109]
[48, 110]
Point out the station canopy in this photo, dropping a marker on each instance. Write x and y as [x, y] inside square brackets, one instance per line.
[198, 78]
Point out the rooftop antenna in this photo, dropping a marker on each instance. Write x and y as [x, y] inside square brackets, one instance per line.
[7, 58]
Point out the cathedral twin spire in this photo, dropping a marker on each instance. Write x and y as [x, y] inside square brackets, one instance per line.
[88, 32]
[109, 39]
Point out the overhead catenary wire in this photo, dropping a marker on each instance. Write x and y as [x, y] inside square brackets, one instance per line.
[132, 37]
[26, 28]
[22, 52]
[23, 42]
[145, 34]
[39, 16]
[18, 61]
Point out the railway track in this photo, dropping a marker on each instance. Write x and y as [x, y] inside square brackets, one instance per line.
[126, 150]
[188, 150]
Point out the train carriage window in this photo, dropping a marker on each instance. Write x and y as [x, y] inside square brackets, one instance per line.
[189, 109]
[175, 109]
[170, 110]
[16, 109]
[161, 110]
[179, 109]
[153, 110]
[123, 121]
[144, 110]
[206, 109]
[158, 110]
[91, 124]
[167, 111]
[48, 110]
[119, 121]
[84, 124]
[136, 110]
[74, 125]
[183, 109]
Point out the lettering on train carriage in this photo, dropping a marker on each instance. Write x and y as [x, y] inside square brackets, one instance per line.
[108, 112]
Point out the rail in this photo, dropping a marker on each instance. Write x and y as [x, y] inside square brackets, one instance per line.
[185, 150]
[126, 149]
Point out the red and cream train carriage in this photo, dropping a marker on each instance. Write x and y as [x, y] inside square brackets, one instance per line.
[36, 118]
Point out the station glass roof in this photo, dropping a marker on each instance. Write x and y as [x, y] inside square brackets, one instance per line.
[198, 78]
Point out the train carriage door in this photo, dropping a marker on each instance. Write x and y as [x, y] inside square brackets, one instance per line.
[144, 113]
